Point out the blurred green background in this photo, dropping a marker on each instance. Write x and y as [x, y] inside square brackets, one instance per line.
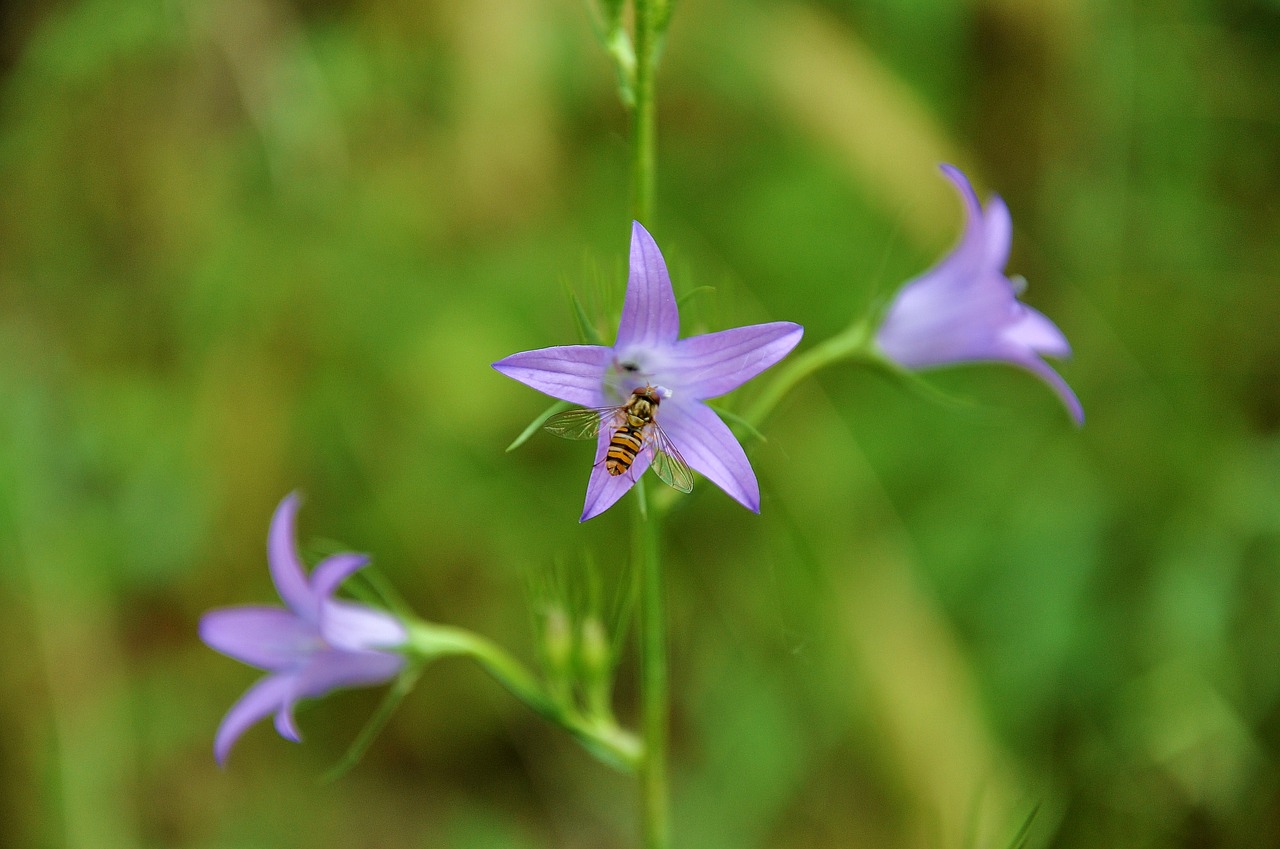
[249, 246]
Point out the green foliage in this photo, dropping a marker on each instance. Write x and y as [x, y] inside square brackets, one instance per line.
[251, 247]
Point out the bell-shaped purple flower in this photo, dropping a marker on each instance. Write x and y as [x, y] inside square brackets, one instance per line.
[686, 372]
[965, 309]
[310, 647]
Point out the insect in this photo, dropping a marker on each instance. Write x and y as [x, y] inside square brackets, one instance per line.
[635, 427]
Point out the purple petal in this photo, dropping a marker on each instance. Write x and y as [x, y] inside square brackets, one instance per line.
[258, 701]
[996, 233]
[332, 571]
[973, 246]
[1042, 370]
[965, 309]
[946, 317]
[266, 637]
[328, 671]
[1034, 332]
[335, 670]
[573, 373]
[715, 363]
[354, 627]
[285, 721]
[649, 315]
[708, 446]
[604, 489]
[282, 558]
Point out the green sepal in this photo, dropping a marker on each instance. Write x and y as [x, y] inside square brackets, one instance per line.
[537, 423]
[586, 328]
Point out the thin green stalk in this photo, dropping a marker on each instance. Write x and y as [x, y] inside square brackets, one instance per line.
[644, 112]
[598, 734]
[653, 677]
[654, 814]
[853, 343]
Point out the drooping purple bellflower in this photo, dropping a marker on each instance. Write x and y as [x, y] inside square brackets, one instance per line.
[310, 647]
[685, 372]
[965, 309]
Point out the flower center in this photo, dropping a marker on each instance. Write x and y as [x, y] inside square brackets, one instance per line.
[629, 371]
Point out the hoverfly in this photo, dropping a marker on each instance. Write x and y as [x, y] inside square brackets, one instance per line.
[635, 427]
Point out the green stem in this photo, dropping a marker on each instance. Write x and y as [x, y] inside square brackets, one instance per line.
[599, 734]
[653, 680]
[644, 115]
[852, 343]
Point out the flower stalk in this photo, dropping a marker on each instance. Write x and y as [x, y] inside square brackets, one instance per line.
[853, 344]
[598, 733]
[653, 676]
[644, 111]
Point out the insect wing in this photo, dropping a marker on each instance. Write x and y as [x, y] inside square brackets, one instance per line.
[582, 423]
[667, 463]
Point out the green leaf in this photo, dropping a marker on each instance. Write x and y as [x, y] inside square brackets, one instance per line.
[537, 423]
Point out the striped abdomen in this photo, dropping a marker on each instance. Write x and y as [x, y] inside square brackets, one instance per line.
[628, 439]
[624, 446]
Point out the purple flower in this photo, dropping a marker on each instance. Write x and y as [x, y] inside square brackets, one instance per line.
[965, 309]
[685, 372]
[317, 645]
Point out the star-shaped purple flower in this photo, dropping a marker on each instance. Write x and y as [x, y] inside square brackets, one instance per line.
[315, 645]
[965, 309]
[686, 372]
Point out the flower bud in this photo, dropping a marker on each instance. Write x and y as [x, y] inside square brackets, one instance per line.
[557, 650]
[595, 664]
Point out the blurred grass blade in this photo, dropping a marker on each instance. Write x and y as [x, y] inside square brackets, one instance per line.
[623, 611]
[688, 296]
[401, 688]
[1020, 839]
[537, 423]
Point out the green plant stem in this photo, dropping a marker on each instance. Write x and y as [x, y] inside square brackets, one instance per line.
[649, 15]
[644, 112]
[852, 343]
[653, 676]
[599, 734]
